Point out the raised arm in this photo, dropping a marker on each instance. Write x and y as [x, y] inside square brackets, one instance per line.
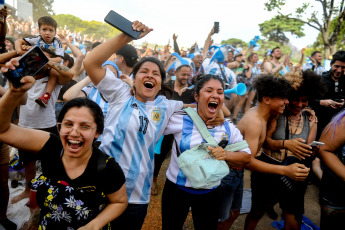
[75, 90]
[18, 46]
[16, 136]
[22, 100]
[63, 73]
[76, 53]
[5, 57]
[207, 43]
[176, 48]
[94, 60]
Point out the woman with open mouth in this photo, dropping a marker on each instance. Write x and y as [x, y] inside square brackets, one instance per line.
[135, 121]
[178, 194]
[80, 187]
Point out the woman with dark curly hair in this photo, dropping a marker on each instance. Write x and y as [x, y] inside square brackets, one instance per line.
[287, 142]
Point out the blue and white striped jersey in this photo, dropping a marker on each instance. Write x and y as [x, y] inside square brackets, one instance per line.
[93, 94]
[131, 131]
[55, 46]
[187, 135]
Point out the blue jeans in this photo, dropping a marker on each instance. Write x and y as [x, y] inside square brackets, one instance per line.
[231, 193]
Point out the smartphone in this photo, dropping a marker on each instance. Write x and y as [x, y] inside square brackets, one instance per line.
[316, 143]
[29, 65]
[216, 27]
[122, 24]
[338, 100]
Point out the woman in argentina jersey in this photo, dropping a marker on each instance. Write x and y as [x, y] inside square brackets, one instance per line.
[178, 195]
[135, 120]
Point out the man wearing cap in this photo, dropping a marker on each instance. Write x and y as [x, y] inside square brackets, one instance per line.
[126, 58]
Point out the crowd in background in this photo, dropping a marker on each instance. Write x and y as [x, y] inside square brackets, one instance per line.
[293, 93]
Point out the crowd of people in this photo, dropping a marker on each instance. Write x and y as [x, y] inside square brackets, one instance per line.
[102, 116]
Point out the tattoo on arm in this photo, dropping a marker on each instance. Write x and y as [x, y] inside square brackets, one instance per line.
[57, 66]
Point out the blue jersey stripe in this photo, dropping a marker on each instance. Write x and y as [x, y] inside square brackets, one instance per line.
[120, 131]
[187, 131]
[134, 168]
[150, 164]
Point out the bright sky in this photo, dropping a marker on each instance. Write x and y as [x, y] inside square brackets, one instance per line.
[191, 20]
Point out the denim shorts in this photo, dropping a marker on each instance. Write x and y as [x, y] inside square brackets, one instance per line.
[231, 193]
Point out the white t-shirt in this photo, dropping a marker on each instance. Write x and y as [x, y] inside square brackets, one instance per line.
[131, 131]
[32, 115]
[187, 135]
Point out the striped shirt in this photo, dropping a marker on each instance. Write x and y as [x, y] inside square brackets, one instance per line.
[131, 131]
[187, 135]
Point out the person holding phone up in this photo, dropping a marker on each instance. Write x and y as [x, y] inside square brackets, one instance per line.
[80, 186]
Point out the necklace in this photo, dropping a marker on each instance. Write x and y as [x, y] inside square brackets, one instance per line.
[295, 122]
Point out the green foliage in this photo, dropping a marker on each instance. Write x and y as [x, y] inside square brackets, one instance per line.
[41, 8]
[75, 24]
[331, 11]
[273, 4]
[276, 28]
[235, 42]
[319, 44]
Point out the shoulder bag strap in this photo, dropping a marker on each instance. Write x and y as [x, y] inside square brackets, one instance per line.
[199, 123]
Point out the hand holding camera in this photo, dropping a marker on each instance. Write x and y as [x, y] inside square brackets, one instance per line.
[26, 81]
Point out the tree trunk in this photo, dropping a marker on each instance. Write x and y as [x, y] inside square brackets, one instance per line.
[333, 48]
[327, 51]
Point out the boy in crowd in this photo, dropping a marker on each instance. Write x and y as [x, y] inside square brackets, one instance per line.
[47, 30]
[272, 95]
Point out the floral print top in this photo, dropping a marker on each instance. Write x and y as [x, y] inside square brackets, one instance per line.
[70, 204]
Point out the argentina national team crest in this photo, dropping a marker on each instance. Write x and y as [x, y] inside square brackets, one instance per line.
[156, 115]
[225, 136]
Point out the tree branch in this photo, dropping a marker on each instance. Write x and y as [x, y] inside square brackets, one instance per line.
[306, 22]
[331, 10]
[324, 9]
[335, 34]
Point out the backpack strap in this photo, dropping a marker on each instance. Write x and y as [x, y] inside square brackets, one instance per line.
[200, 124]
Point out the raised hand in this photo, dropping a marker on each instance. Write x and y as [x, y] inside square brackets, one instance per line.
[62, 38]
[138, 26]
